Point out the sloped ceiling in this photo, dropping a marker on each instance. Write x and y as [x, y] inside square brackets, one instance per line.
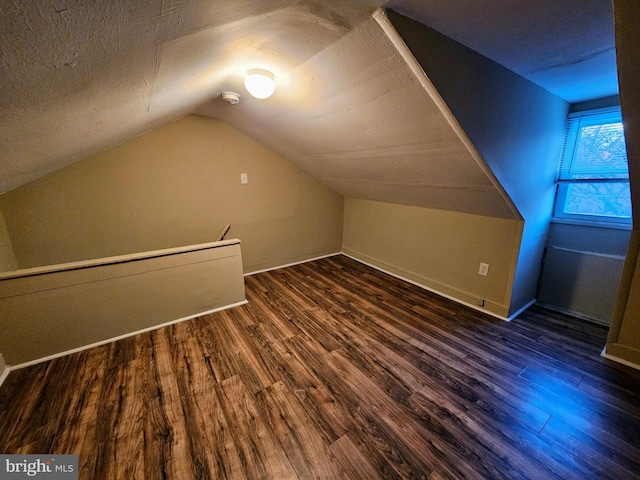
[79, 77]
[361, 121]
[565, 46]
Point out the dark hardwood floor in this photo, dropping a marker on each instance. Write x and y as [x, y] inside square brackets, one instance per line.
[334, 370]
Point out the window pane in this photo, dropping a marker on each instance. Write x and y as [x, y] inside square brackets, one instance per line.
[594, 160]
[600, 152]
[599, 199]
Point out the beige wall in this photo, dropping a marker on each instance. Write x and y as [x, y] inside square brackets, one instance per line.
[438, 249]
[7, 258]
[176, 185]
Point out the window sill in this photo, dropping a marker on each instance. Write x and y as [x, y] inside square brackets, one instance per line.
[592, 223]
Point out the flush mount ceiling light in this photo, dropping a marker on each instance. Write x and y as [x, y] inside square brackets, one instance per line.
[260, 83]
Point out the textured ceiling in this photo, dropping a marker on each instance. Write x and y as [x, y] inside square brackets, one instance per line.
[565, 46]
[368, 124]
[79, 77]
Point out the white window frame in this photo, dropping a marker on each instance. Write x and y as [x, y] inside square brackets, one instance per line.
[563, 183]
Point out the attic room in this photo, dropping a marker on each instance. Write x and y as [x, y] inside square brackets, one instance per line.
[363, 275]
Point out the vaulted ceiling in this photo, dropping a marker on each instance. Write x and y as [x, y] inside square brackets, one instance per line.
[364, 120]
[351, 108]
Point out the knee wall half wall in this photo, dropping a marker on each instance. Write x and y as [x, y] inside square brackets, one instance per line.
[437, 249]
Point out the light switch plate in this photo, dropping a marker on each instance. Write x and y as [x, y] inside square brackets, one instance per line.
[484, 269]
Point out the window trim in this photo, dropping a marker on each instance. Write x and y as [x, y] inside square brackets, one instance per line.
[562, 184]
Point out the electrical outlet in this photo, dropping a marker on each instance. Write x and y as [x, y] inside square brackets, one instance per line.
[244, 179]
[484, 269]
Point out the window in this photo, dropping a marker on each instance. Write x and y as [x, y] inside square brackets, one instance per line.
[593, 178]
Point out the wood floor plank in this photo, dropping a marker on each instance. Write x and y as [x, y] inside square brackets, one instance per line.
[374, 413]
[119, 428]
[621, 395]
[191, 369]
[319, 403]
[601, 457]
[402, 431]
[165, 380]
[165, 443]
[212, 451]
[215, 343]
[277, 316]
[304, 446]
[353, 465]
[239, 355]
[260, 453]
[342, 409]
[427, 350]
[196, 436]
[484, 440]
[312, 323]
[335, 370]
[78, 421]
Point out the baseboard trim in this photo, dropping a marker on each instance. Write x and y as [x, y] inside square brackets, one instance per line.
[433, 290]
[521, 309]
[579, 315]
[4, 375]
[4, 370]
[120, 337]
[278, 267]
[613, 358]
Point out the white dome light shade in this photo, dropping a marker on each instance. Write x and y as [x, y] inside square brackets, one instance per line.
[260, 83]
